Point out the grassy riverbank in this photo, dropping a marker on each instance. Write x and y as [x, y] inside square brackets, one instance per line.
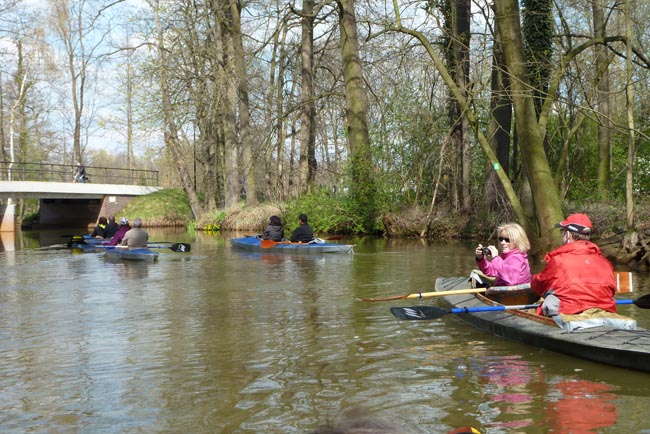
[171, 208]
[328, 215]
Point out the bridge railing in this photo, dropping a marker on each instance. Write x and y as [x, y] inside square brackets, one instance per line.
[64, 173]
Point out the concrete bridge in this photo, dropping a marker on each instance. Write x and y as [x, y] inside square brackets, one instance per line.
[68, 204]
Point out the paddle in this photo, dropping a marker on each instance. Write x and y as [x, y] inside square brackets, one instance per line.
[176, 247]
[433, 312]
[426, 294]
[269, 244]
[623, 286]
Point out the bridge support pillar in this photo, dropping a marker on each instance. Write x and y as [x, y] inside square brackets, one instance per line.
[8, 217]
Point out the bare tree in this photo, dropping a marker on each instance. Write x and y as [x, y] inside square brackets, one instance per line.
[79, 29]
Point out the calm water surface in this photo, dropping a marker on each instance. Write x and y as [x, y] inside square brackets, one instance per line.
[220, 341]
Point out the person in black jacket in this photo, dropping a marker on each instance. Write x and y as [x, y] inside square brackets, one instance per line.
[111, 227]
[274, 231]
[303, 233]
[100, 229]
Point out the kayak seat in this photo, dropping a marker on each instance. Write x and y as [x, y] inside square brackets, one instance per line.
[512, 295]
[507, 295]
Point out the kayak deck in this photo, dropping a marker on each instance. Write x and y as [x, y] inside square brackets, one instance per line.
[623, 348]
[254, 244]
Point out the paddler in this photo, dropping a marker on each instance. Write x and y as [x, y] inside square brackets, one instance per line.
[578, 283]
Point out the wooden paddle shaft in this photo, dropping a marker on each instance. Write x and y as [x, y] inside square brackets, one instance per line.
[441, 293]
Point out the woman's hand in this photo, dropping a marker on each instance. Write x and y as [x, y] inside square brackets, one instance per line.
[494, 252]
[479, 251]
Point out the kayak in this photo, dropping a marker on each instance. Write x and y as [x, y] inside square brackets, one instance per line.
[623, 348]
[143, 255]
[254, 244]
[81, 247]
[87, 244]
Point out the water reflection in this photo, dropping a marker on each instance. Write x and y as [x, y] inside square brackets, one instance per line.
[514, 389]
[7, 242]
[580, 406]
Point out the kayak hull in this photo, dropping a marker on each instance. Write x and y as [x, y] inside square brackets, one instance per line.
[253, 244]
[623, 348]
[141, 255]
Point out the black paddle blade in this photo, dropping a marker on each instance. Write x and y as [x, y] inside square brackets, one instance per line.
[419, 312]
[180, 247]
[643, 302]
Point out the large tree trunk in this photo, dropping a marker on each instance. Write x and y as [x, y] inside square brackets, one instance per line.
[499, 125]
[531, 137]
[233, 185]
[457, 21]
[248, 159]
[602, 98]
[363, 188]
[307, 167]
[631, 236]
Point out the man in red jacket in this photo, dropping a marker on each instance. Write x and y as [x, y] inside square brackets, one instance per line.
[577, 276]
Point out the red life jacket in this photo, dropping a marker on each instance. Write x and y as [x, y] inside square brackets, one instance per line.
[580, 276]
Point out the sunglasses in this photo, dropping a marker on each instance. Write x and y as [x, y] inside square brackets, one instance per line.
[506, 239]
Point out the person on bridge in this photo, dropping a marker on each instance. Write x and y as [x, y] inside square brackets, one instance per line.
[111, 227]
[137, 237]
[100, 229]
[79, 174]
[119, 235]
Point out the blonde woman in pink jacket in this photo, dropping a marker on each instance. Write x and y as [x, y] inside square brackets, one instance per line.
[511, 267]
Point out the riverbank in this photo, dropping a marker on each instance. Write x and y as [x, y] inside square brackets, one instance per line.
[170, 208]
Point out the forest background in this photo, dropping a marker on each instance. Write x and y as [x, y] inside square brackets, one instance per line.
[438, 119]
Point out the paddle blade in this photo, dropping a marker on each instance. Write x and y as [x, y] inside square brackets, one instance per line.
[643, 302]
[180, 247]
[267, 244]
[419, 312]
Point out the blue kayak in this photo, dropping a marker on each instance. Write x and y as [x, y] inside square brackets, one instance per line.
[143, 255]
[254, 244]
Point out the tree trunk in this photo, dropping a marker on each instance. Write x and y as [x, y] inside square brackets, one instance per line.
[531, 137]
[631, 236]
[248, 160]
[499, 125]
[307, 167]
[602, 98]
[457, 21]
[363, 188]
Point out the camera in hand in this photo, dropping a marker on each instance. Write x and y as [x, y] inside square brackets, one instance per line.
[486, 252]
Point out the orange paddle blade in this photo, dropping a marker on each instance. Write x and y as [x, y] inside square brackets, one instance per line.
[267, 244]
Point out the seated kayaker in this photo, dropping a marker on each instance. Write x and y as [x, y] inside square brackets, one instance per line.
[578, 282]
[511, 266]
[100, 230]
[111, 228]
[303, 233]
[119, 235]
[274, 231]
[136, 238]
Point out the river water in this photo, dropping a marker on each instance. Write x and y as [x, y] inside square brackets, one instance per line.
[220, 341]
